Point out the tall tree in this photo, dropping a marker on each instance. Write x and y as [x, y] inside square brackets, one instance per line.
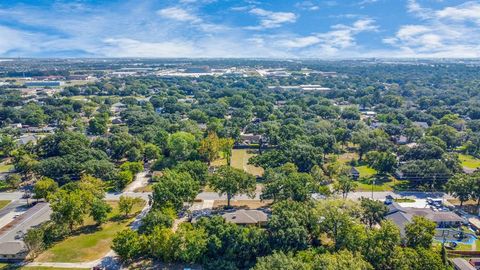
[226, 146]
[344, 185]
[209, 147]
[127, 244]
[44, 187]
[461, 186]
[420, 232]
[383, 162]
[231, 181]
[174, 189]
[373, 211]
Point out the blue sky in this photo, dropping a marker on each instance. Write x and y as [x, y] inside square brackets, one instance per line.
[240, 28]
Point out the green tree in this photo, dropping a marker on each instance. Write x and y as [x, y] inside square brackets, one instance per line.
[344, 185]
[123, 179]
[226, 146]
[338, 219]
[181, 145]
[189, 243]
[198, 170]
[98, 125]
[99, 211]
[44, 187]
[127, 244]
[33, 240]
[460, 186]
[379, 247]
[280, 261]
[7, 144]
[373, 212]
[68, 207]
[157, 218]
[343, 259]
[134, 167]
[231, 181]
[126, 204]
[174, 189]
[383, 162]
[282, 184]
[291, 225]
[209, 147]
[151, 152]
[13, 180]
[420, 232]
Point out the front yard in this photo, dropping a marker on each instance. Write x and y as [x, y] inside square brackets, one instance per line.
[89, 243]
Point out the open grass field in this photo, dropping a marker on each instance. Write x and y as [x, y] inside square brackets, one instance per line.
[381, 184]
[240, 161]
[90, 243]
[469, 162]
[365, 171]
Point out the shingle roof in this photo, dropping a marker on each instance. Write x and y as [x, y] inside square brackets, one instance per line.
[246, 217]
[462, 264]
[12, 247]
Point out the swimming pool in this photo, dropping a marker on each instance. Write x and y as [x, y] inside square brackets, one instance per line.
[452, 235]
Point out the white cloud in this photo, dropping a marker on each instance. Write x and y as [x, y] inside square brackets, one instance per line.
[307, 5]
[445, 32]
[465, 12]
[270, 19]
[327, 44]
[178, 14]
[16, 40]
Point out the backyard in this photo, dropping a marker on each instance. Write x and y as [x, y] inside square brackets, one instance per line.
[89, 243]
[240, 161]
[469, 162]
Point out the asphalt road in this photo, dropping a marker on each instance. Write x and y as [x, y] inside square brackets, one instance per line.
[214, 196]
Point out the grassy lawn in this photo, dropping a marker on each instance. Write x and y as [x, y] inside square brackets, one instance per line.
[465, 247]
[6, 168]
[89, 243]
[469, 162]
[365, 171]
[4, 203]
[381, 184]
[240, 161]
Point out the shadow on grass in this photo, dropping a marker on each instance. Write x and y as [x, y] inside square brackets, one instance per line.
[87, 229]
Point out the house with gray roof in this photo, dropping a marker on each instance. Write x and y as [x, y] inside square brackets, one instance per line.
[402, 216]
[246, 217]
